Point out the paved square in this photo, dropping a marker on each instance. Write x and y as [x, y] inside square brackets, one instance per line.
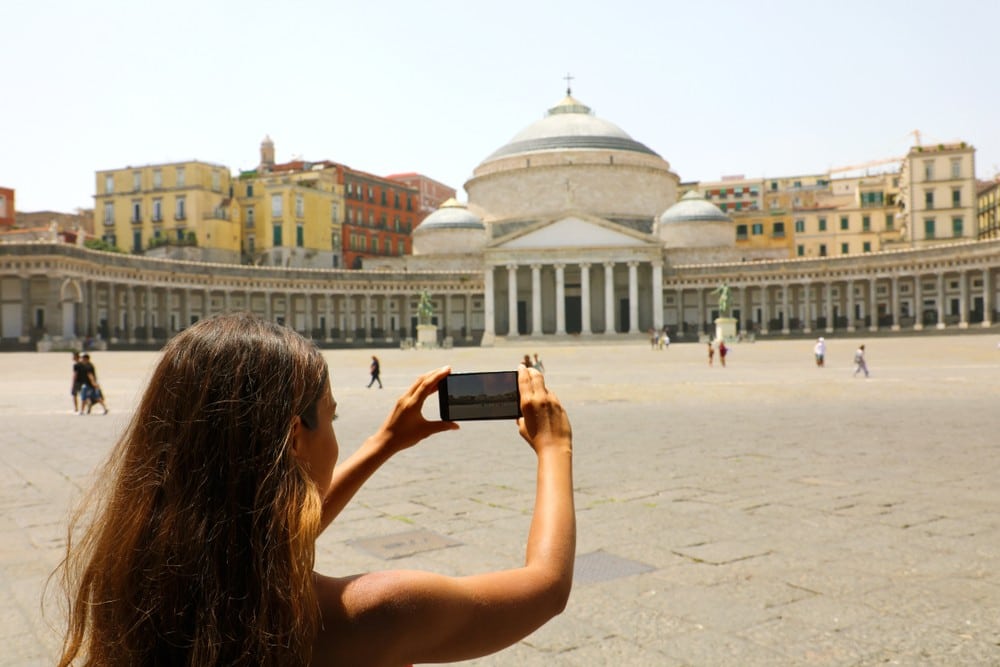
[787, 514]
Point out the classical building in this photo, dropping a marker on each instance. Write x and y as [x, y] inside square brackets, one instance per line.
[572, 228]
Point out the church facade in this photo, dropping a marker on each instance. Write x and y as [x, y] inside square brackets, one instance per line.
[572, 228]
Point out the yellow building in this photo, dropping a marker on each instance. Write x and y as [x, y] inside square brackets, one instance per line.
[290, 214]
[938, 194]
[988, 198]
[178, 209]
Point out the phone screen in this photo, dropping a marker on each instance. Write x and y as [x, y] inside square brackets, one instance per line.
[464, 396]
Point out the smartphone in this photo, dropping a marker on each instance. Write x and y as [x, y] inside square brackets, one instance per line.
[465, 396]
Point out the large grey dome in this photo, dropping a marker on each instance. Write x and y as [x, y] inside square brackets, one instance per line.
[451, 215]
[693, 207]
[568, 125]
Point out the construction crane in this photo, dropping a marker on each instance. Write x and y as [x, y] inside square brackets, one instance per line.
[865, 165]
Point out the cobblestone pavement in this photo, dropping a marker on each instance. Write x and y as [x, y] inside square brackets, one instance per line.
[767, 513]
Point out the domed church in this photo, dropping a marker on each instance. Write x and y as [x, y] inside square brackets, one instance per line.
[572, 222]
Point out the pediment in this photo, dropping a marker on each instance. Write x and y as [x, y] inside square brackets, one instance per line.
[573, 231]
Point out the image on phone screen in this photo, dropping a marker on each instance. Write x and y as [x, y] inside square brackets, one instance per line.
[466, 396]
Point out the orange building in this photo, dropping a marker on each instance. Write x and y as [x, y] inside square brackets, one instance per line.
[6, 207]
[432, 193]
[379, 215]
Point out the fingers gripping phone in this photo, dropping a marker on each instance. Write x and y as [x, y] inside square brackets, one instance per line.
[469, 396]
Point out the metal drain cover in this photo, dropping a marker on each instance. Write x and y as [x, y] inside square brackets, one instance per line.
[400, 545]
[600, 566]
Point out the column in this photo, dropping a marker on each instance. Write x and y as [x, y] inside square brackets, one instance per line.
[405, 308]
[658, 296]
[512, 300]
[328, 317]
[368, 318]
[633, 297]
[680, 311]
[940, 300]
[560, 299]
[268, 315]
[702, 311]
[829, 307]
[786, 322]
[310, 315]
[894, 301]
[850, 305]
[873, 304]
[489, 317]
[148, 317]
[206, 304]
[987, 298]
[918, 304]
[185, 308]
[536, 300]
[226, 305]
[807, 308]
[765, 309]
[963, 300]
[745, 310]
[131, 313]
[609, 297]
[585, 299]
[468, 317]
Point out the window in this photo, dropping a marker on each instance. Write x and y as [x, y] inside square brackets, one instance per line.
[180, 210]
[779, 230]
[844, 223]
[276, 206]
[800, 226]
[890, 222]
[333, 213]
[299, 235]
[374, 245]
[800, 250]
[758, 228]
[866, 223]
[774, 186]
[110, 239]
[137, 241]
[157, 179]
[845, 248]
[180, 234]
[741, 232]
[956, 168]
[822, 224]
[251, 243]
[866, 246]
[109, 213]
[180, 177]
[956, 198]
[249, 189]
[383, 198]
[371, 194]
[929, 199]
[409, 203]
[929, 170]
[929, 228]
[371, 218]
[250, 216]
[300, 207]
[276, 234]
[956, 227]
[136, 181]
[109, 183]
[136, 210]
[822, 250]
[216, 182]
[401, 247]
[395, 200]
[157, 210]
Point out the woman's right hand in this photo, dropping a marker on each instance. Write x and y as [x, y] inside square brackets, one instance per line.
[543, 422]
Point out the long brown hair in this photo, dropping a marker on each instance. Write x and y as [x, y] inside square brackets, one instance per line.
[199, 544]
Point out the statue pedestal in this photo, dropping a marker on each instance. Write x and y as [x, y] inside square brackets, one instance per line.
[427, 335]
[725, 329]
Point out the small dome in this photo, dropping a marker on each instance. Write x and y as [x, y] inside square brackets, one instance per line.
[569, 125]
[693, 207]
[452, 214]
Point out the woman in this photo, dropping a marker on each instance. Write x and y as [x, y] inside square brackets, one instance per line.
[202, 534]
[375, 369]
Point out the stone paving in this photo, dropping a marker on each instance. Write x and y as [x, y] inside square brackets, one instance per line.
[767, 513]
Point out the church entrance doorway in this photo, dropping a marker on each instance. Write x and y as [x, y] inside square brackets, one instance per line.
[574, 315]
[522, 317]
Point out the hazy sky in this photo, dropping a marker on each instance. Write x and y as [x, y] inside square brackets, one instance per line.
[756, 88]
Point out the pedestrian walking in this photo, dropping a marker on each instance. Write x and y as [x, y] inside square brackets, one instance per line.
[91, 392]
[538, 365]
[723, 351]
[79, 379]
[819, 351]
[374, 370]
[711, 353]
[859, 361]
